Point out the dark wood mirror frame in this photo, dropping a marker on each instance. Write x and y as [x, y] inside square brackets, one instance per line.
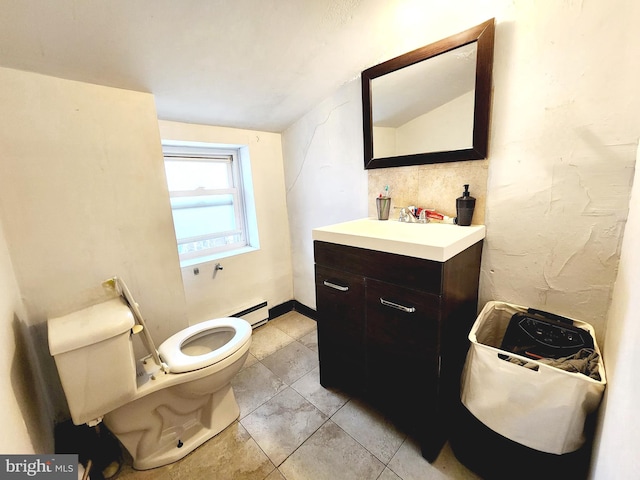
[484, 35]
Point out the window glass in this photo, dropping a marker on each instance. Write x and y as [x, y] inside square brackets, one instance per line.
[185, 174]
[203, 215]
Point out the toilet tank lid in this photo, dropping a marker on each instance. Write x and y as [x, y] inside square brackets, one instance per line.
[89, 326]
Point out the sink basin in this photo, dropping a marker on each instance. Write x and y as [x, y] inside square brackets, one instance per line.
[431, 241]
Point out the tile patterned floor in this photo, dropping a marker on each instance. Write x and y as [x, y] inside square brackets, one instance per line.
[291, 428]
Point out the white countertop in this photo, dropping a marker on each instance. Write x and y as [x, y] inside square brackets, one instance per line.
[431, 241]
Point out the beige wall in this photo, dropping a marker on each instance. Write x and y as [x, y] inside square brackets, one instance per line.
[17, 401]
[325, 180]
[253, 277]
[561, 155]
[83, 197]
[618, 438]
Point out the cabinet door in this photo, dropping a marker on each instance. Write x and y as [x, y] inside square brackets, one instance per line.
[403, 342]
[340, 314]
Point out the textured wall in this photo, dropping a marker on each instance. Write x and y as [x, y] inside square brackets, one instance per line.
[554, 190]
[324, 177]
[562, 155]
[618, 437]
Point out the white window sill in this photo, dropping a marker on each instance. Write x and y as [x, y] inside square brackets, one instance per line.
[212, 258]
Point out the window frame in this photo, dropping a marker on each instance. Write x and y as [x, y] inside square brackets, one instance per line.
[207, 152]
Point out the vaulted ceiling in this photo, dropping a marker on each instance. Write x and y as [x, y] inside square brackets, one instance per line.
[257, 64]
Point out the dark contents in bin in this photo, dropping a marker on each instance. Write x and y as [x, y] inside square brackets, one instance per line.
[537, 336]
[585, 361]
[551, 340]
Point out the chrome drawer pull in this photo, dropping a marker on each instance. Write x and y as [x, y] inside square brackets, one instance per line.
[387, 303]
[337, 287]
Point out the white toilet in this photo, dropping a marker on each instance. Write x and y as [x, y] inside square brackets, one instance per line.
[163, 406]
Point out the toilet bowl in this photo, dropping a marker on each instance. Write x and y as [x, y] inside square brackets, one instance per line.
[159, 410]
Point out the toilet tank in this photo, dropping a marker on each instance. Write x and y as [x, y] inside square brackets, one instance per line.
[93, 352]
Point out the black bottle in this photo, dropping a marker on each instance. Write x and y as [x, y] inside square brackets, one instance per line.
[464, 207]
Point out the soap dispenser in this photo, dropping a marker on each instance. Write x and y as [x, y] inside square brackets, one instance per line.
[464, 207]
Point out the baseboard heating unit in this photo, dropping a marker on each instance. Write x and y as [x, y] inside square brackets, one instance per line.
[256, 315]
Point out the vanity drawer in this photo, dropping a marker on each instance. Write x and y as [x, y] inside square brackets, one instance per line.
[410, 272]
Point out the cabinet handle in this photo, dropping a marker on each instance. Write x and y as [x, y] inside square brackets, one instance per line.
[335, 286]
[387, 303]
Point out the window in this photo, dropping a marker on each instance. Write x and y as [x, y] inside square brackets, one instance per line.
[208, 191]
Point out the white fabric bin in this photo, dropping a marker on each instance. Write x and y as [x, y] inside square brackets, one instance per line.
[543, 409]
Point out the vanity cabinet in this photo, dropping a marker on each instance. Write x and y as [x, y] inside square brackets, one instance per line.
[393, 329]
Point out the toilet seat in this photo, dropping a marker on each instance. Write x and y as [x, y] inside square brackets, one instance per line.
[171, 349]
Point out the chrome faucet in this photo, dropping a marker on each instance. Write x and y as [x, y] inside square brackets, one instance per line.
[407, 216]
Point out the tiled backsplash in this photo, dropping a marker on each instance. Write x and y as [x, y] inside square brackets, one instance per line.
[436, 186]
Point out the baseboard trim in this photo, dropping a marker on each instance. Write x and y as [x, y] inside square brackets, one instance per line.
[292, 305]
[306, 311]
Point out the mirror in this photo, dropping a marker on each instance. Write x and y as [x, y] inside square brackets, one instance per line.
[430, 105]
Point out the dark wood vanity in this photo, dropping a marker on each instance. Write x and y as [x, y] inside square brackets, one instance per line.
[392, 329]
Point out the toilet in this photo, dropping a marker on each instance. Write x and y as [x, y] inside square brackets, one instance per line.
[162, 406]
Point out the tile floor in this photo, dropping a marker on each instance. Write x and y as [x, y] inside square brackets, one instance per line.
[292, 428]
